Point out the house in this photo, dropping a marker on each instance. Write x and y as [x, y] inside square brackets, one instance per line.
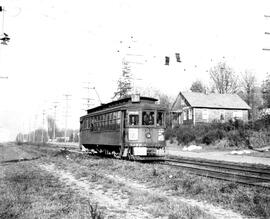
[193, 108]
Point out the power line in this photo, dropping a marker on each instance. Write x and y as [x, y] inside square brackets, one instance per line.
[267, 33]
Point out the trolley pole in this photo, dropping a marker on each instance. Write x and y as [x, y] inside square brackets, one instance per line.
[88, 99]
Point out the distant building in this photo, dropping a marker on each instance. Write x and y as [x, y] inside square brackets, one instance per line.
[193, 108]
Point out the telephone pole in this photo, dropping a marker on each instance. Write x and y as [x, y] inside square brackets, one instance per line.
[66, 113]
[42, 134]
[54, 122]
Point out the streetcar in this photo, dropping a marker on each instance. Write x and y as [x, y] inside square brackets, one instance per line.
[131, 127]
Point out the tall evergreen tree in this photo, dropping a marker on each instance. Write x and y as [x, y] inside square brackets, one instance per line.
[124, 83]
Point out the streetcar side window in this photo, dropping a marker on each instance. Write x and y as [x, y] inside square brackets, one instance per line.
[106, 120]
[133, 119]
[81, 124]
[95, 123]
[87, 123]
[91, 124]
[160, 118]
[148, 117]
[118, 117]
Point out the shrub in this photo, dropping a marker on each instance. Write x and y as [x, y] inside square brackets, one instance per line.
[213, 135]
[234, 138]
[170, 133]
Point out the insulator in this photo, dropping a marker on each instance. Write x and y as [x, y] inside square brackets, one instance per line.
[177, 55]
[167, 60]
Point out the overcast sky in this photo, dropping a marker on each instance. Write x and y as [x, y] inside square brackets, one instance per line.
[56, 46]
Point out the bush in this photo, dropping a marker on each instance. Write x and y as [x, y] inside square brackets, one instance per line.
[234, 138]
[187, 137]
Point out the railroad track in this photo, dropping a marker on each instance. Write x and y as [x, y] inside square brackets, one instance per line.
[249, 174]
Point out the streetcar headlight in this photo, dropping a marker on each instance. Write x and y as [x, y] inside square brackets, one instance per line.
[148, 135]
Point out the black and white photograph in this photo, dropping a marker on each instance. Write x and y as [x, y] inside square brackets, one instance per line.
[127, 109]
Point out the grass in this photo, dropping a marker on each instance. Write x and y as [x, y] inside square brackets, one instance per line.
[27, 192]
[249, 201]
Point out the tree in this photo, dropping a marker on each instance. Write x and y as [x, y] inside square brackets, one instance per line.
[224, 78]
[197, 86]
[266, 91]
[124, 82]
[248, 85]
[250, 93]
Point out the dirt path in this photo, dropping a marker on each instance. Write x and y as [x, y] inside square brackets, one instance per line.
[215, 211]
[115, 205]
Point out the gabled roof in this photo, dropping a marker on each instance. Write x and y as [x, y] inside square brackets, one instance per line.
[224, 101]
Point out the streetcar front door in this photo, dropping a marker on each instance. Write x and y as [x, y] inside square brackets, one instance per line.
[122, 131]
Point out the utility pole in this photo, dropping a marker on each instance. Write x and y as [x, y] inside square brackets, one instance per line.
[42, 135]
[66, 113]
[54, 122]
[43, 121]
[35, 124]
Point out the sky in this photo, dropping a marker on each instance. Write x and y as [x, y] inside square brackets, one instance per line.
[58, 46]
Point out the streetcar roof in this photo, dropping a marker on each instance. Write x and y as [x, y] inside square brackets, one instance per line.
[122, 102]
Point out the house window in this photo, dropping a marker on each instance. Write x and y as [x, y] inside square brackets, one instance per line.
[222, 115]
[238, 114]
[184, 115]
[190, 114]
[205, 114]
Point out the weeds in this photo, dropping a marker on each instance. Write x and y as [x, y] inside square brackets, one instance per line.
[38, 194]
[27, 192]
[94, 212]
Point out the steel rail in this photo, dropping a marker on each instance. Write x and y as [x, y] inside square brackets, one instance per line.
[245, 174]
[243, 167]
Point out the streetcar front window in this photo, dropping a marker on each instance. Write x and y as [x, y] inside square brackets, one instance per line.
[160, 118]
[133, 119]
[148, 117]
